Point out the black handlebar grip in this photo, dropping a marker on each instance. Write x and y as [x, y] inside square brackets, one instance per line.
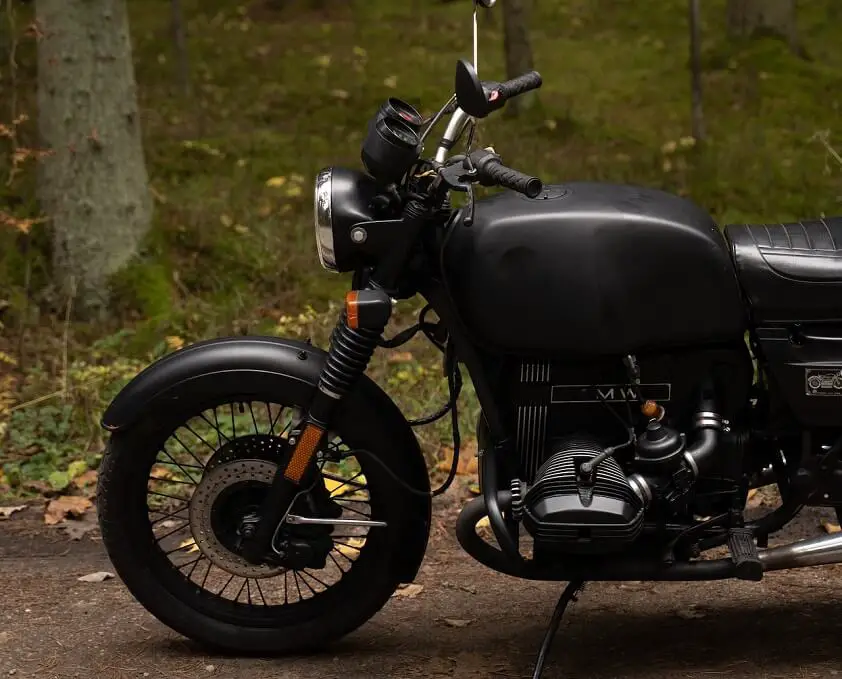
[499, 174]
[523, 83]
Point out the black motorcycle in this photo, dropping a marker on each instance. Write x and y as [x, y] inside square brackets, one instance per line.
[639, 373]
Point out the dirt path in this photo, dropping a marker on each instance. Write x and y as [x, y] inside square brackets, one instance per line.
[788, 626]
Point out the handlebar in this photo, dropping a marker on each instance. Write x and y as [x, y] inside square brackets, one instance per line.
[514, 87]
[492, 172]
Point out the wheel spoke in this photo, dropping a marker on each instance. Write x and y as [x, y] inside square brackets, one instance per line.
[242, 587]
[254, 421]
[173, 531]
[225, 586]
[189, 452]
[260, 591]
[186, 501]
[186, 473]
[200, 437]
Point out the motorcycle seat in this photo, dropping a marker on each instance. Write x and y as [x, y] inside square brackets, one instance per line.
[790, 273]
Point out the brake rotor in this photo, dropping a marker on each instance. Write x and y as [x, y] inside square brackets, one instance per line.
[229, 480]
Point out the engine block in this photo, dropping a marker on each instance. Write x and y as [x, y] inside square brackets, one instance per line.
[566, 513]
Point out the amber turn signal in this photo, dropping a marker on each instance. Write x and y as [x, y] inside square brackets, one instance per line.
[352, 309]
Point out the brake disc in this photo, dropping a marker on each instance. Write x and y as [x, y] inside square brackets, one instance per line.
[221, 479]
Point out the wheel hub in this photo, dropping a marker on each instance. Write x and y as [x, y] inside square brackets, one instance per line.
[222, 509]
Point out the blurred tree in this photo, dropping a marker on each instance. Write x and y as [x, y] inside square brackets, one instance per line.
[179, 34]
[94, 186]
[747, 18]
[518, 48]
[696, 71]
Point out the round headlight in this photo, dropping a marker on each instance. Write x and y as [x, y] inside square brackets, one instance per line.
[324, 219]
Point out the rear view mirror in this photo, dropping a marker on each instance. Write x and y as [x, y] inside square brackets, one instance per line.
[469, 93]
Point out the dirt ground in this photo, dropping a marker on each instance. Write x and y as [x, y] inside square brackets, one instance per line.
[466, 622]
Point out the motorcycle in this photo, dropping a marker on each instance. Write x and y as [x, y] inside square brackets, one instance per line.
[639, 371]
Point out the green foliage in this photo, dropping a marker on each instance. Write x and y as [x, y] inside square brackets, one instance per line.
[279, 94]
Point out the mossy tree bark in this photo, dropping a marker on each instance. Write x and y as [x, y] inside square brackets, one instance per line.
[747, 18]
[518, 48]
[94, 185]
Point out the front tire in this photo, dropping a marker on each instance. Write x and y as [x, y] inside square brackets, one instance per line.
[180, 598]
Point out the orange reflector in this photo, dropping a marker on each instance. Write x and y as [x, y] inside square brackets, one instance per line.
[352, 309]
[303, 453]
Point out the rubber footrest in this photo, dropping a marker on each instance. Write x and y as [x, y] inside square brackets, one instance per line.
[744, 554]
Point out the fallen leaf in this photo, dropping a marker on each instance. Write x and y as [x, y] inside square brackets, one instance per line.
[6, 512]
[66, 506]
[409, 591]
[340, 94]
[391, 82]
[457, 622]
[86, 480]
[99, 576]
[76, 530]
[351, 548]
[189, 542]
[691, 614]
[467, 458]
[484, 522]
[294, 191]
[830, 527]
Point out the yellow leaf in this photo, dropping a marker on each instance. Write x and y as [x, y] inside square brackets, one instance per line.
[294, 191]
[226, 220]
[360, 52]
[5, 358]
[409, 591]
[347, 549]
[323, 60]
[174, 342]
[340, 94]
[391, 82]
[189, 542]
[831, 527]
[276, 182]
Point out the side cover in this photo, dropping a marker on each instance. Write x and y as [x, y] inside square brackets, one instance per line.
[229, 367]
[593, 269]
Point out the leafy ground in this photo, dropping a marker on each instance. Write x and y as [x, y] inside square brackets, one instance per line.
[457, 620]
[279, 93]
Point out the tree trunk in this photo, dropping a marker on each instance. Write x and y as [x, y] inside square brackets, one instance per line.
[94, 186]
[518, 48]
[747, 18]
[179, 34]
[696, 71]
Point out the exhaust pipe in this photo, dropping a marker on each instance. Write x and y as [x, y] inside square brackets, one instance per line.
[820, 551]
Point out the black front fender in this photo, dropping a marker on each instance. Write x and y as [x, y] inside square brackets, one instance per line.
[222, 367]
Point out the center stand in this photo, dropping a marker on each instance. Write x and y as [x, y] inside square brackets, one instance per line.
[567, 596]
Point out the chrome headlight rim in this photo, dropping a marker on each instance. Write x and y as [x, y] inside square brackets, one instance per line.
[323, 215]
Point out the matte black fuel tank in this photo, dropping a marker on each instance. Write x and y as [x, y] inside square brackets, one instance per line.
[591, 269]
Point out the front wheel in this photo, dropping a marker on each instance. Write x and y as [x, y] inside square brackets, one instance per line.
[175, 494]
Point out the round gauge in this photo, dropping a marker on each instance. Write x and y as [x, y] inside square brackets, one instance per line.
[401, 132]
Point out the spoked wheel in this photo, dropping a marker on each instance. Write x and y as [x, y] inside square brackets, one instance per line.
[176, 498]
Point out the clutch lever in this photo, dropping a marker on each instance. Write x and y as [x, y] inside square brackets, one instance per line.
[460, 176]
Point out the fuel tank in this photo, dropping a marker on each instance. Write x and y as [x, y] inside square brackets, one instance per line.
[593, 269]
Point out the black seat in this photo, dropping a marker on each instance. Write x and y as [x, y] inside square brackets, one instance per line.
[790, 272]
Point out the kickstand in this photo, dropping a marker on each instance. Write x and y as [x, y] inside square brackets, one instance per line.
[568, 595]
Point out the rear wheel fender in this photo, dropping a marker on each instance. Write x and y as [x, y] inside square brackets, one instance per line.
[228, 367]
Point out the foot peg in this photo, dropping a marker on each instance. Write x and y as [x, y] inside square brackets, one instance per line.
[744, 554]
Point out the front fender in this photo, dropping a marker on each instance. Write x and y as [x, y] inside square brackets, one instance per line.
[220, 367]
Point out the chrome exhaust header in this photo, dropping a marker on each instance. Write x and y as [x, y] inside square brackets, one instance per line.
[820, 551]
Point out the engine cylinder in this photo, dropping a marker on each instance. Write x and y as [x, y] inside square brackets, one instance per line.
[567, 514]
